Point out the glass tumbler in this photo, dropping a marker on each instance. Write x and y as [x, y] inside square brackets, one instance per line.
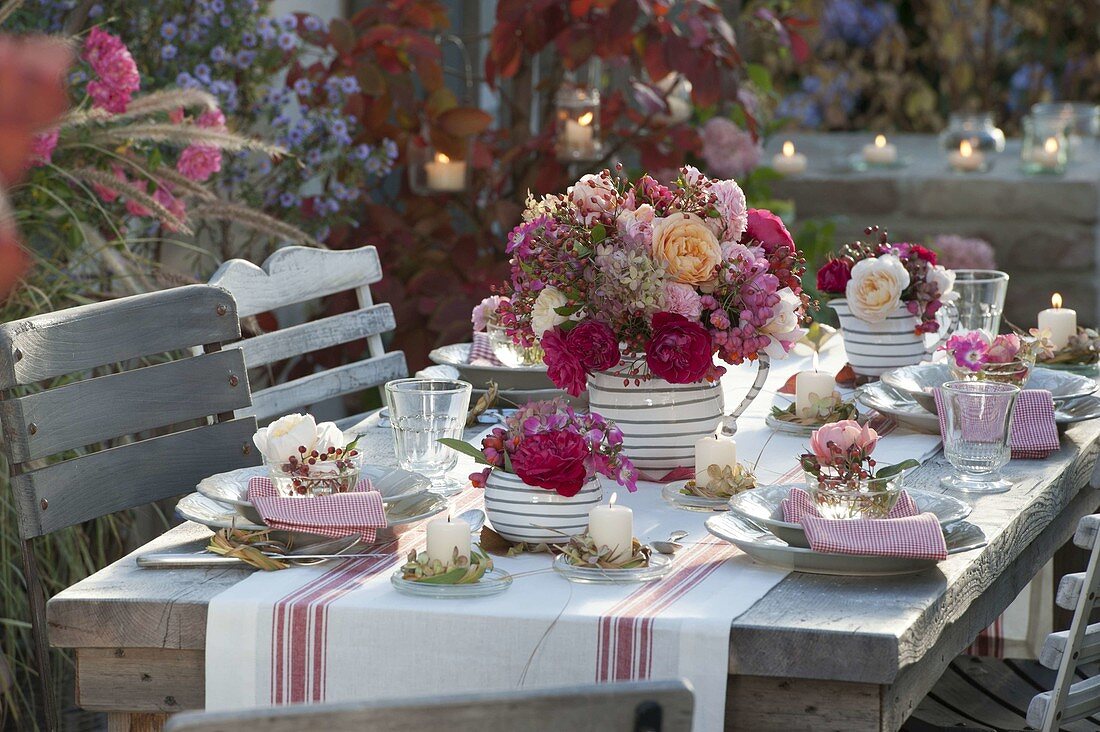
[977, 423]
[422, 411]
[981, 299]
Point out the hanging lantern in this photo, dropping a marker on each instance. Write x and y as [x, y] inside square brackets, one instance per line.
[578, 122]
[438, 162]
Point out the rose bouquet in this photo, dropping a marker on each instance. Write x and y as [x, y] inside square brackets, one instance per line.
[549, 445]
[877, 279]
[652, 281]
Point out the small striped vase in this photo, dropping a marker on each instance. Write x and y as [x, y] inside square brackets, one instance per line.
[521, 512]
[874, 348]
[660, 421]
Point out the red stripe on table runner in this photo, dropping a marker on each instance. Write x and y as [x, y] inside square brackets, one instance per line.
[300, 619]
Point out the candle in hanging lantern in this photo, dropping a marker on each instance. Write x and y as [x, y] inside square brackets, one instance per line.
[789, 162]
[881, 152]
[578, 114]
[1060, 321]
[445, 174]
[579, 133]
[966, 159]
[612, 526]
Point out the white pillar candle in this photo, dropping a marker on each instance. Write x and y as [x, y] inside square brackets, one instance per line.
[880, 153]
[445, 174]
[789, 162]
[612, 526]
[446, 535]
[578, 133]
[806, 383]
[1060, 321]
[966, 158]
[713, 450]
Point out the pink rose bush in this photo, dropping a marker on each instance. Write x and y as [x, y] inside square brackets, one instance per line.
[549, 445]
[877, 279]
[648, 280]
[840, 454]
[728, 150]
[118, 73]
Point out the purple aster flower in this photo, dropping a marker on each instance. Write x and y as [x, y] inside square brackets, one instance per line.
[390, 148]
[218, 54]
[217, 6]
[303, 87]
[312, 23]
[245, 58]
[288, 22]
[95, 11]
[185, 81]
[288, 41]
[202, 73]
[168, 52]
[248, 39]
[349, 85]
[169, 30]
[226, 21]
[362, 152]
[264, 166]
[288, 200]
[313, 157]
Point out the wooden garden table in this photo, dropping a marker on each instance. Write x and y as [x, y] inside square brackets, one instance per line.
[817, 652]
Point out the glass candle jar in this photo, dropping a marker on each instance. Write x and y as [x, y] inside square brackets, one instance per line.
[1045, 147]
[1081, 119]
[578, 122]
[434, 170]
[977, 129]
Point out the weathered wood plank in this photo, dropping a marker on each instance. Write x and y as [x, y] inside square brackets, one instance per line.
[140, 679]
[770, 704]
[82, 338]
[296, 274]
[1055, 644]
[284, 398]
[587, 708]
[140, 722]
[126, 403]
[70, 492]
[317, 334]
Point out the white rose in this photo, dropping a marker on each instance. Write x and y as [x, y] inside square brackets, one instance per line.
[282, 438]
[593, 195]
[874, 292]
[783, 329]
[329, 435]
[944, 280]
[544, 314]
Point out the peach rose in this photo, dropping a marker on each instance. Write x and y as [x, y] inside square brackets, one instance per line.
[687, 246]
[874, 292]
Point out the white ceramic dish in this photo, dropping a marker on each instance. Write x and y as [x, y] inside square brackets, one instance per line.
[764, 505]
[521, 378]
[231, 488]
[766, 548]
[919, 380]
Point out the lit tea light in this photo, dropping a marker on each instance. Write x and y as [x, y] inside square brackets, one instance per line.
[789, 162]
[966, 158]
[1060, 321]
[881, 152]
[445, 174]
[1050, 154]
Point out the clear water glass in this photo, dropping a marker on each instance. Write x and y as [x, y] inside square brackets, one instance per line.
[422, 411]
[981, 299]
[977, 423]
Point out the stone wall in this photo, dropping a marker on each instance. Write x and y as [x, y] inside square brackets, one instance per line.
[1045, 229]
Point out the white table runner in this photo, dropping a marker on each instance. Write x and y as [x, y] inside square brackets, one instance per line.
[340, 632]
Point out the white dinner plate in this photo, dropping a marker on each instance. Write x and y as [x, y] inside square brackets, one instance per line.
[919, 380]
[766, 548]
[764, 505]
[507, 378]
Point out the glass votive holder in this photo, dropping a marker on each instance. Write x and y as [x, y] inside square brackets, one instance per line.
[577, 111]
[1045, 146]
[1082, 121]
[433, 170]
[977, 129]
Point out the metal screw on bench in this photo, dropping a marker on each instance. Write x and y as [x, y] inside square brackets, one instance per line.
[233, 380]
[221, 310]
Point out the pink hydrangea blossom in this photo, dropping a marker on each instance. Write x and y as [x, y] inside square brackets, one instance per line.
[115, 67]
[199, 162]
[959, 252]
[728, 150]
[42, 147]
[683, 300]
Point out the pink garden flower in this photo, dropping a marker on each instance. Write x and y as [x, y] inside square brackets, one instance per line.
[175, 206]
[683, 300]
[212, 119]
[42, 147]
[594, 196]
[485, 312]
[1004, 349]
[115, 67]
[199, 162]
[958, 252]
[553, 460]
[970, 350]
[835, 440]
[563, 366]
[729, 151]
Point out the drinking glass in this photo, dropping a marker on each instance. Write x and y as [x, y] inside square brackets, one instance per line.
[421, 412]
[981, 299]
[977, 423]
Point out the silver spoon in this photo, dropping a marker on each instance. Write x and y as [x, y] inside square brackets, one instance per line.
[475, 517]
[672, 545]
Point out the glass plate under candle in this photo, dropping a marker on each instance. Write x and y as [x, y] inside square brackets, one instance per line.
[493, 582]
[791, 428]
[671, 493]
[659, 566]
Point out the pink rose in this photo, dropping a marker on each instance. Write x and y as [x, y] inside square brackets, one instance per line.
[552, 460]
[836, 438]
[199, 162]
[485, 312]
[680, 351]
[594, 345]
[1005, 349]
[768, 229]
[730, 202]
[563, 366]
[635, 226]
[833, 276]
[212, 119]
[683, 300]
[594, 196]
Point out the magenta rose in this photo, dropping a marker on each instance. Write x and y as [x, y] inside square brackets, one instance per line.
[563, 367]
[923, 253]
[833, 276]
[680, 351]
[768, 229]
[594, 345]
[552, 460]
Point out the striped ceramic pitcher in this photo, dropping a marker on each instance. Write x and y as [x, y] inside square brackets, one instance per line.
[527, 513]
[874, 348]
[660, 421]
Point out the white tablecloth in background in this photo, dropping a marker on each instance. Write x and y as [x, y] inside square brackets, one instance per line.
[341, 632]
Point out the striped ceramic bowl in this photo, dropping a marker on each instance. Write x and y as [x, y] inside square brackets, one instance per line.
[521, 512]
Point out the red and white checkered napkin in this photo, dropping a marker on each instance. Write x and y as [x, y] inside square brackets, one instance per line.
[904, 533]
[481, 351]
[359, 511]
[1034, 431]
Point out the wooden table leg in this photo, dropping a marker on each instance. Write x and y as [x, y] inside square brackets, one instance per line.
[135, 722]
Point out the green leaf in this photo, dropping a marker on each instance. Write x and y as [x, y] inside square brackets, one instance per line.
[891, 470]
[465, 448]
[760, 77]
[447, 578]
[599, 233]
